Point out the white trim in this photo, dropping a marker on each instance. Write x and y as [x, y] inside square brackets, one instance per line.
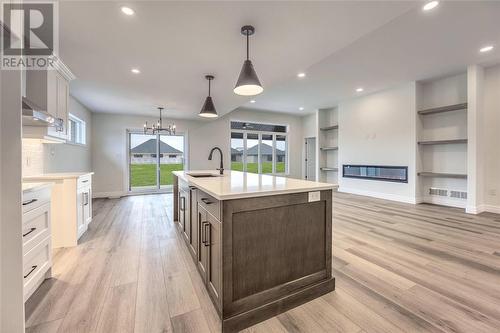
[492, 209]
[445, 201]
[483, 208]
[379, 195]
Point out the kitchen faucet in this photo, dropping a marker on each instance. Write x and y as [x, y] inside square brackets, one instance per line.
[221, 169]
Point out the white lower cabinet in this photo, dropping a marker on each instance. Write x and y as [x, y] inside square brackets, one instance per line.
[71, 206]
[36, 234]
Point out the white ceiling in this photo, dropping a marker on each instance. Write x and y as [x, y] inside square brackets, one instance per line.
[341, 45]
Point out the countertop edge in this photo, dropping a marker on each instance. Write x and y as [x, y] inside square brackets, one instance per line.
[37, 187]
[240, 195]
[57, 176]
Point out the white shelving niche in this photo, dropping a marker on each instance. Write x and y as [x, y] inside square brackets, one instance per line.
[328, 168]
[442, 140]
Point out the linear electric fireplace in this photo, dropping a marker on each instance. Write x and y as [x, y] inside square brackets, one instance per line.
[398, 174]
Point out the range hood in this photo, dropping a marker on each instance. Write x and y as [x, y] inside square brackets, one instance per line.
[33, 115]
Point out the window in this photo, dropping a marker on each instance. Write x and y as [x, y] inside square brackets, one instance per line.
[259, 148]
[76, 130]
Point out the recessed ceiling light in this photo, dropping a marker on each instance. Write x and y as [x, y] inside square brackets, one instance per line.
[301, 75]
[252, 101]
[359, 89]
[135, 71]
[127, 11]
[430, 5]
[301, 108]
[486, 49]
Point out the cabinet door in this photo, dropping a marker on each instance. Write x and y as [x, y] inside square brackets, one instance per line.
[203, 245]
[193, 239]
[214, 276]
[62, 102]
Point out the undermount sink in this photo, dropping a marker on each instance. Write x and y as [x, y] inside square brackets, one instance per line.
[202, 175]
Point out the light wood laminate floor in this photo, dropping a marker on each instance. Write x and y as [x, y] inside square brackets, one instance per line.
[398, 268]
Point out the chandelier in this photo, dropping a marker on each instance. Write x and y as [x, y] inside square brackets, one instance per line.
[158, 127]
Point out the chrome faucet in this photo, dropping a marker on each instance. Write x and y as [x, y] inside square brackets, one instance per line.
[221, 169]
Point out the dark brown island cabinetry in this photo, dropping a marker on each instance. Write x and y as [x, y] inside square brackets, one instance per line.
[258, 256]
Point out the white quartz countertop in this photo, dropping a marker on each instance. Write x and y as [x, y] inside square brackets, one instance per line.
[236, 184]
[55, 176]
[31, 187]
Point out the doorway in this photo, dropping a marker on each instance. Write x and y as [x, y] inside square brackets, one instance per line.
[310, 158]
[151, 160]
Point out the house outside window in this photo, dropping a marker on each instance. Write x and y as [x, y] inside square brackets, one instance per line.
[259, 148]
[77, 130]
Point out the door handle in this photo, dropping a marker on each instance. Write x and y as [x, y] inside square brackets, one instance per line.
[31, 271]
[29, 232]
[29, 202]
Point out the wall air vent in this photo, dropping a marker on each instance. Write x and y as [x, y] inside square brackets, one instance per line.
[458, 194]
[438, 191]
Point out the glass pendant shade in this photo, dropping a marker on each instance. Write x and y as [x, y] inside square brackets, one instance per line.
[208, 109]
[248, 83]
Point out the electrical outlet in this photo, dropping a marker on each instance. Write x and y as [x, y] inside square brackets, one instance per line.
[314, 196]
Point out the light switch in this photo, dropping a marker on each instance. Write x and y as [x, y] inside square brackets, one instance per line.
[314, 196]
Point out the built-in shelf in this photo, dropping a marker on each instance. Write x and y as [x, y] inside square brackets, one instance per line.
[442, 175]
[447, 108]
[329, 169]
[328, 128]
[443, 142]
[329, 148]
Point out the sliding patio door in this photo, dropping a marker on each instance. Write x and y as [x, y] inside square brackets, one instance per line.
[152, 158]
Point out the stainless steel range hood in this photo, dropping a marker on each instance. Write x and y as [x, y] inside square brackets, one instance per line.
[33, 115]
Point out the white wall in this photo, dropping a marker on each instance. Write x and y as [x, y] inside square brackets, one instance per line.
[109, 153]
[379, 129]
[491, 128]
[41, 158]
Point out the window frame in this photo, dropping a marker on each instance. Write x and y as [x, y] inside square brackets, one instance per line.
[259, 158]
[81, 131]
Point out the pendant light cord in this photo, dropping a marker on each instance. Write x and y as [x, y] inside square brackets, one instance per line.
[209, 87]
[248, 46]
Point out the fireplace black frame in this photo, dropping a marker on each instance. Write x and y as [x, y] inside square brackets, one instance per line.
[392, 180]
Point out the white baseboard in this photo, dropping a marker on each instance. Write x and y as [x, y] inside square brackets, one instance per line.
[378, 195]
[115, 194]
[446, 201]
[483, 208]
[119, 194]
[492, 209]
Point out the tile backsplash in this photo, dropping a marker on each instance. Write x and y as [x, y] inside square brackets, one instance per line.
[33, 157]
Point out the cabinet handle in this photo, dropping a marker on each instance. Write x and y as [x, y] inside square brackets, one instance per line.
[85, 181]
[29, 202]
[85, 198]
[203, 233]
[183, 203]
[206, 201]
[31, 271]
[29, 232]
[209, 240]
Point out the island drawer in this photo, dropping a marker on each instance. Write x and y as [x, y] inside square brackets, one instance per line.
[84, 180]
[208, 202]
[35, 199]
[183, 185]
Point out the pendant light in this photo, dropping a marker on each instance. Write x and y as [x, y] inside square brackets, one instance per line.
[248, 83]
[208, 109]
[158, 127]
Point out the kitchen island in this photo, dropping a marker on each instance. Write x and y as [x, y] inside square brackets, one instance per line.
[262, 244]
